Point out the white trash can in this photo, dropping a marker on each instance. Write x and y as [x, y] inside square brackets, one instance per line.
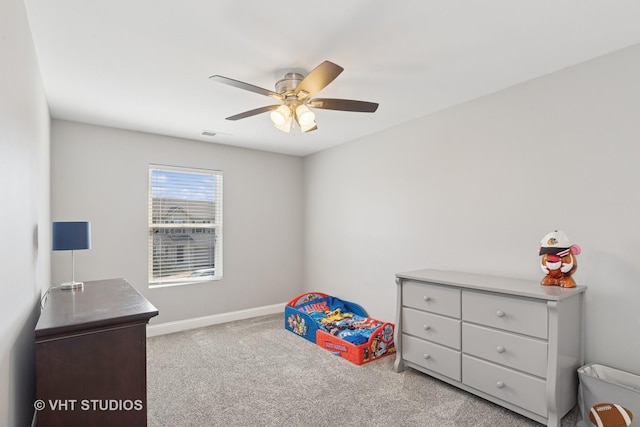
[602, 384]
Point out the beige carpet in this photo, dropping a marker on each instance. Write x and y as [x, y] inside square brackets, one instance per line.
[255, 373]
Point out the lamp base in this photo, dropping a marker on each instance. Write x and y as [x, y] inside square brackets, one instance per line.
[72, 286]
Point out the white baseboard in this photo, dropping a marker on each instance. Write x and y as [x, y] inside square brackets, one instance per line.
[199, 322]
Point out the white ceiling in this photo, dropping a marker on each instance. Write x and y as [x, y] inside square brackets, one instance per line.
[144, 64]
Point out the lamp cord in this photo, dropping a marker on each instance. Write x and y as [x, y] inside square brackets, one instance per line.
[43, 300]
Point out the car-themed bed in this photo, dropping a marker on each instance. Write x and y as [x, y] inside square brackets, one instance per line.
[339, 326]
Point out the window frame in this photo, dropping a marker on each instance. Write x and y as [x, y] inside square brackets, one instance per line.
[214, 223]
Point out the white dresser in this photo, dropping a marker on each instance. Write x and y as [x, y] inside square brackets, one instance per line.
[511, 341]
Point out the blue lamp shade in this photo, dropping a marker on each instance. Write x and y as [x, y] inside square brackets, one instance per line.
[70, 236]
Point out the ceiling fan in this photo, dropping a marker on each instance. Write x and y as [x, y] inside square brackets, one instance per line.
[295, 92]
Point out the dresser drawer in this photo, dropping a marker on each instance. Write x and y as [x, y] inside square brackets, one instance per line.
[515, 351]
[433, 298]
[431, 356]
[432, 327]
[514, 387]
[509, 313]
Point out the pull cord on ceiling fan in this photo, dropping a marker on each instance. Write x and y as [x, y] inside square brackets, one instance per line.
[295, 92]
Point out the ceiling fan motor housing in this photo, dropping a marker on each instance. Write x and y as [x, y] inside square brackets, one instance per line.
[287, 85]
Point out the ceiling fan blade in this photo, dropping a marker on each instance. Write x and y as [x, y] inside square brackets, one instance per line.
[253, 112]
[344, 105]
[246, 86]
[318, 79]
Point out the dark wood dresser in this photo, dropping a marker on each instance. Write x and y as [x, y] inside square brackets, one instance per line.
[91, 357]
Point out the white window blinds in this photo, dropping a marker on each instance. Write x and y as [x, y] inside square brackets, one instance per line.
[185, 225]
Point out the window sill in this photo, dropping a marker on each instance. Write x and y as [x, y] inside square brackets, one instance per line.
[154, 285]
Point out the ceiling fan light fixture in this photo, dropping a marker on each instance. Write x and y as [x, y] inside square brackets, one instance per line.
[281, 115]
[286, 125]
[309, 126]
[296, 91]
[305, 116]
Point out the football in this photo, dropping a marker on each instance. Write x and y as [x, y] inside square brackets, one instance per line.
[610, 415]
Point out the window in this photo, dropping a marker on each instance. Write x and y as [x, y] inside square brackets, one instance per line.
[185, 225]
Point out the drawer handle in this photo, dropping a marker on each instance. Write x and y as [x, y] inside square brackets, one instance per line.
[427, 327]
[500, 313]
[500, 384]
[427, 298]
[427, 356]
[500, 349]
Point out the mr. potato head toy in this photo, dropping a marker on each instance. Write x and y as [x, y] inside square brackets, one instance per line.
[558, 260]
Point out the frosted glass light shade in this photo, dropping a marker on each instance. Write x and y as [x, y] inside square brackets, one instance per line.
[286, 126]
[305, 116]
[280, 115]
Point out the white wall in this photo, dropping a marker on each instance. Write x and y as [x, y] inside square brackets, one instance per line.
[101, 175]
[24, 211]
[476, 187]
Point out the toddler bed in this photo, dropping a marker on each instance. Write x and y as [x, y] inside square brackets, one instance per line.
[339, 326]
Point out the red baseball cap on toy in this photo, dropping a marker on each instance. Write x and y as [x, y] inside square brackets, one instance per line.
[557, 243]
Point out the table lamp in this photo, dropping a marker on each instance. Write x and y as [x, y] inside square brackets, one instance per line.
[71, 236]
